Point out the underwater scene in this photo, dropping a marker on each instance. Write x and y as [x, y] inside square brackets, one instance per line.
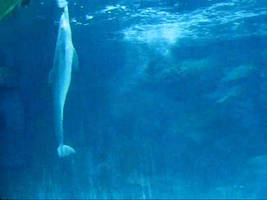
[136, 99]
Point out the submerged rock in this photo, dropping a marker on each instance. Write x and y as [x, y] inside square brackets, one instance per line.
[7, 6]
[238, 73]
[193, 67]
[8, 77]
[226, 95]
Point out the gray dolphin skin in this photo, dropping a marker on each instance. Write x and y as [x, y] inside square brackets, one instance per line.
[65, 61]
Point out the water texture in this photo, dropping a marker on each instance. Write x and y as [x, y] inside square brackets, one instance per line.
[169, 101]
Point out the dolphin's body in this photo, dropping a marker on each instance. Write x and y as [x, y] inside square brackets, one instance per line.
[60, 77]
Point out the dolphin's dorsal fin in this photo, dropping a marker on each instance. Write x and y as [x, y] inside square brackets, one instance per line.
[75, 61]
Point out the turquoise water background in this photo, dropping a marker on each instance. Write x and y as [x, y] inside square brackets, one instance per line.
[169, 101]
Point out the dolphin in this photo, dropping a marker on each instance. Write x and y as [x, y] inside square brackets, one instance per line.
[65, 61]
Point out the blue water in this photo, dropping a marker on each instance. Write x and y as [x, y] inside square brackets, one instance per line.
[170, 101]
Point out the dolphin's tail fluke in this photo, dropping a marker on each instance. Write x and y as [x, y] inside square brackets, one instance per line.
[65, 150]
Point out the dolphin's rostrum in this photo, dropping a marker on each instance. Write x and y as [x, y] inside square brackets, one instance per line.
[62, 3]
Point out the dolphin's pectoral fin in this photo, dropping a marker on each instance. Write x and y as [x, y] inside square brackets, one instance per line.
[75, 61]
[65, 150]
